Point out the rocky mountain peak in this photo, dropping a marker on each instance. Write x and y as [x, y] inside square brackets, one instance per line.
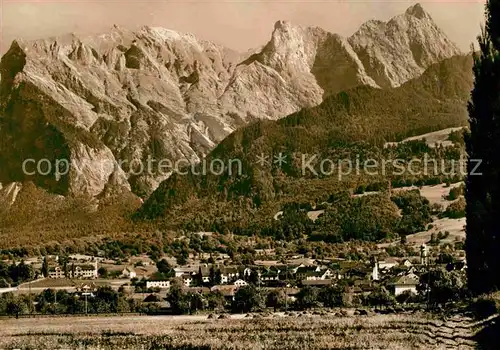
[417, 11]
[282, 25]
[395, 51]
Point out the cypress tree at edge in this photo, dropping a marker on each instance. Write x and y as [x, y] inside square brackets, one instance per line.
[483, 166]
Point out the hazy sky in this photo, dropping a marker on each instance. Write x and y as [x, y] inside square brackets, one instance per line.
[237, 24]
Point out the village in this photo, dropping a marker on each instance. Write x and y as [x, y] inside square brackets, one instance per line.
[150, 283]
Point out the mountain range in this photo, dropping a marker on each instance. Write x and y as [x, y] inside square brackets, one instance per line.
[124, 97]
[109, 104]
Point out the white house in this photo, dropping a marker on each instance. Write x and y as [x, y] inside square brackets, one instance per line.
[75, 271]
[187, 279]
[240, 283]
[270, 276]
[327, 274]
[406, 283]
[407, 263]
[387, 264]
[87, 288]
[229, 274]
[179, 271]
[303, 272]
[56, 272]
[84, 271]
[158, 284]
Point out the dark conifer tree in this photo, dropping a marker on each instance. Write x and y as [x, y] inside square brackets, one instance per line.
[45, 267]
[483, 167]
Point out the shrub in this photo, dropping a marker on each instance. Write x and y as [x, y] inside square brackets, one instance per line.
[484, 306]
[456, 209]
[444, 286]
[457, 137]
[455, 193]
[307, 298]
[415, 210]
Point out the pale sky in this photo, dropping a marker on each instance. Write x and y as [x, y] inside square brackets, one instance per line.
[236, 24]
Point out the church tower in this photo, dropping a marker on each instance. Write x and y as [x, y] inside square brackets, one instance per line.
[423, 255]
[375, 275]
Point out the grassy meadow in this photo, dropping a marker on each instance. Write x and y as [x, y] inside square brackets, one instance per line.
[274, 331]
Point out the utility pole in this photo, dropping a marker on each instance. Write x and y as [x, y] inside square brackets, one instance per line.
[428, 287]
[31, 303]
[428, 281]
[286, 294]
[85, 294]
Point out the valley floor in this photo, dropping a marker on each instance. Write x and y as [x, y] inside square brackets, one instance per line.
[276, 331]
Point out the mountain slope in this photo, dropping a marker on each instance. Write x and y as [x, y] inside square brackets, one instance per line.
[349, 123]
[114, 105]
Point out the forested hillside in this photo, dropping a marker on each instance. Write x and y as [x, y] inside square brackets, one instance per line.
[349, 125]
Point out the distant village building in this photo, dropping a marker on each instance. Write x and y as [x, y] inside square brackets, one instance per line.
[316, 283]
[247, 272]
[407, 263]
[228, 291]
[158, 284]
[327, 274]
[141, 260]
[86, 271]
[187, 279]
[56, 272]
[145, 271]
[180, 271]
[205, 273]
[387, 264]
[83, 271]
[240, 283]
[86, 288]
[375, 272]
[129, 272]
[229, 274]
[424, 259]
[270, 275]
[303, 272]
[406, 283]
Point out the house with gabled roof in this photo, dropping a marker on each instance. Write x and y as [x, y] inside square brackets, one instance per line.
[240, 283]
[187, 279]
[269, 275]
[56, 272]
[316, 283]
[85, 271]
[407, 263]
[86, 288]
[228, 291]
[304, 271]
[158, 283]
[229, 273]
[179, 271]
[405, 283]
[388, 263]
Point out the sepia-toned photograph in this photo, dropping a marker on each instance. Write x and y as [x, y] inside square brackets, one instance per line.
[249, 174]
